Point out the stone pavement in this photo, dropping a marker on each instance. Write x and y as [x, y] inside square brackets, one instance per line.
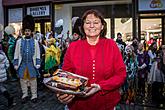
[48, 101]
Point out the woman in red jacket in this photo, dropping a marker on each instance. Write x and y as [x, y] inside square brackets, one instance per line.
[99, 59]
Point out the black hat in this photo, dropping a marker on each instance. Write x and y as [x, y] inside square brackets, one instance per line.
[28, 23]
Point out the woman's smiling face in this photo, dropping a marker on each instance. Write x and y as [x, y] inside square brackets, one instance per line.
[92, 26]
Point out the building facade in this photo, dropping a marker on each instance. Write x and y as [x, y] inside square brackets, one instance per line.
[2, 19]
[144, 19]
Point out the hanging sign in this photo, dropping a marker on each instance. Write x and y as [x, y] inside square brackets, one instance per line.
[38, 11]
[151, 5]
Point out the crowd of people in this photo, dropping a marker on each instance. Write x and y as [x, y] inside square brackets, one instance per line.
[115, 69]
[145, 71]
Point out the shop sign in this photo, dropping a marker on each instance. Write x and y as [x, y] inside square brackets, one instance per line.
[38, 11]
[151, 5]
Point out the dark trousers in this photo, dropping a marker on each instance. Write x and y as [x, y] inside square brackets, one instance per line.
[157, 92]
[141, 86]
[12, 72]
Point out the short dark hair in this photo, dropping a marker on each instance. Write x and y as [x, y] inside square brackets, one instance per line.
[96, 14]
[119, 34]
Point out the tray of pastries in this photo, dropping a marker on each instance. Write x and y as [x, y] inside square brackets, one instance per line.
[66, 82]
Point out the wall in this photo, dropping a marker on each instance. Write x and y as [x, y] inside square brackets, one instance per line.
[20, 2]
[2, 17]
[64, 12]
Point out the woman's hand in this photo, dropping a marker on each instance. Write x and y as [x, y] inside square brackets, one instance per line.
[37, 66]
[16, 67]
[92, 90]
[65, 98]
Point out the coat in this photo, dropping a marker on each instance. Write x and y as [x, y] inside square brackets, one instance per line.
[35, 53]
[155, 74]
[106, 68]
[11, 48]
[4, 64]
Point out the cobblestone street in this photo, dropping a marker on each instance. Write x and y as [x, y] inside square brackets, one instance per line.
[48, 101]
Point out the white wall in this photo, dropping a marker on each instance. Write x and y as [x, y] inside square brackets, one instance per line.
[64, 12]
[1, 17]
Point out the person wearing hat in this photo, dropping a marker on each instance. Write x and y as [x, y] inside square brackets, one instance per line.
[59, 28]
[27, 59]
[59, 32]
[10, 30]
[76, 28]
[60, 41]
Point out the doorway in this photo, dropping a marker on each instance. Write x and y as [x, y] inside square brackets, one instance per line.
[42, 26]
[151, 30]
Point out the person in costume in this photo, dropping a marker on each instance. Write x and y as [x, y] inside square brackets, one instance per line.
[10, 30]
[52, 55]
[99, 59]
[60, 41]
[59, 28]
[76, 28]
[131, 69]
[27, 59]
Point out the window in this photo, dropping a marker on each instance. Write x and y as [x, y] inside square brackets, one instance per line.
[124, 26]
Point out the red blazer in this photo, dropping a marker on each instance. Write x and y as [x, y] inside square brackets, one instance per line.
[107, 69]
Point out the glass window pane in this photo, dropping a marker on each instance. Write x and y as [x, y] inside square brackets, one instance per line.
[151, 30]
[124, 26]
[47, 27]
[37, 27]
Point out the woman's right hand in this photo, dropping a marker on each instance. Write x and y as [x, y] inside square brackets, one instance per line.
[65, 98]
[16, 67]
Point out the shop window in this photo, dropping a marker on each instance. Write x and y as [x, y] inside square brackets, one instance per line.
[37, 27]
[47, 27]
[124, 26]
[151, 30]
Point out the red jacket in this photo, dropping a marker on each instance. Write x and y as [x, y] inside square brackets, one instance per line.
[107, 69]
